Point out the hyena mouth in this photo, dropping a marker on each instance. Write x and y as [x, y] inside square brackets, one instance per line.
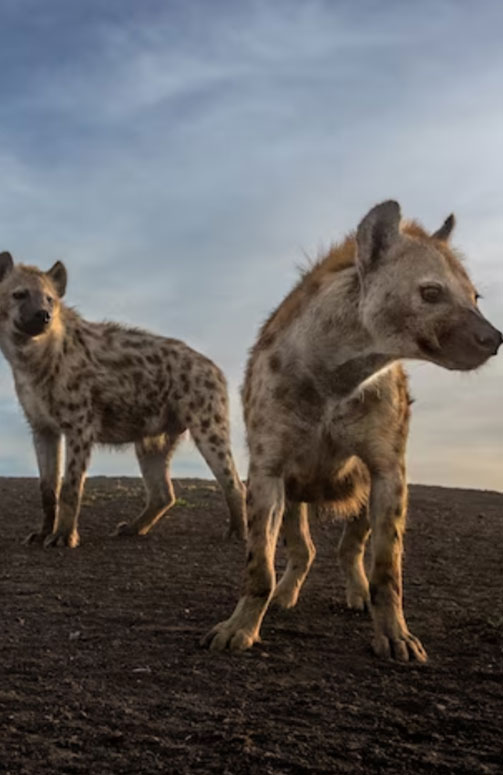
[429, 347]
[32, 327]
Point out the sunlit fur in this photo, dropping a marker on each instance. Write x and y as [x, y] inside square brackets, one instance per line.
[327, 409]
[109, 384]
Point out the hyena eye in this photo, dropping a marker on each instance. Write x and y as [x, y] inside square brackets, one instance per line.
[49, 299]
[18, 295]
[431, 293]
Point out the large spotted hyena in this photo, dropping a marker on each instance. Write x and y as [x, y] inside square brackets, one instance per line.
[105, 383]
[327, 408]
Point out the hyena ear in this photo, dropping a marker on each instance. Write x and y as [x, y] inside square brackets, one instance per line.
[376, 233]
[58, 277]
[445, 230]
[6, 264]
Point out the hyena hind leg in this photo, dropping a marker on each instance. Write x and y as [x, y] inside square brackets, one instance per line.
[301, 553]
[153, 457]
[215, 447]
[351, 551]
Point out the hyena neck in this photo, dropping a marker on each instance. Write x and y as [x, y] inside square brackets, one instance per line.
[341, 354]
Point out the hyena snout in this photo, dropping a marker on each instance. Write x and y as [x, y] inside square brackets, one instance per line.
[35, 322]
[471, 342]
[488, 339]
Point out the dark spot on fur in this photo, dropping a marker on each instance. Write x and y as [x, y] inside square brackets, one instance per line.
[306, 392]
[256, 422]
[267, 339]
[275, 468]
[280, 392]
[275, 362]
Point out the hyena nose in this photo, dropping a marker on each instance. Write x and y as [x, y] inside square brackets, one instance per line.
[42, 316]
[489, 340]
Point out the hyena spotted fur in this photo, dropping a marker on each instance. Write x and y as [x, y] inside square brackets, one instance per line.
[327, 409]
[108, 384]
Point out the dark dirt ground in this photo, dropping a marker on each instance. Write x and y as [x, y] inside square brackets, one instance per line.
[101, 671]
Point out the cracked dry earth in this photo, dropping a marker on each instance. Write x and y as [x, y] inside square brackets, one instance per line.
[101, 671]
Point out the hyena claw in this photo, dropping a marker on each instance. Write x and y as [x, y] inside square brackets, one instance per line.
[223, 636]
[405, 648]
[124, 529]
[35, 538]
[357, 601]
[235, 532]
[60, 538]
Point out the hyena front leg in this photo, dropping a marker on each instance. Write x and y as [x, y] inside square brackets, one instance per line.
[388, 507]
[301, 554]
[48, 450]
[78, 452]
[214, 446]
[351, 551]
[154, 457]
[265, 509]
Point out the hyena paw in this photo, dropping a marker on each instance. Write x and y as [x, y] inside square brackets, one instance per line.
[236, 530]
[37, 537]
[403, 647]
[62, 538]
[125, 529]
[286, 595]
[357, 597]
[226, 636]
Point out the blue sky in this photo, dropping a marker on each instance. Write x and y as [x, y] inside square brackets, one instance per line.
[182, 158]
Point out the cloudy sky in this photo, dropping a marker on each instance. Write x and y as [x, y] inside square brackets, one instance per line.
[183, 157]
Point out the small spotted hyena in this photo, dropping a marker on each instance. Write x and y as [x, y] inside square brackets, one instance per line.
[105, 383]
[326, 409]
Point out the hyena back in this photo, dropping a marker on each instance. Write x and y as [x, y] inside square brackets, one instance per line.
[107, 384]
[326, 409]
